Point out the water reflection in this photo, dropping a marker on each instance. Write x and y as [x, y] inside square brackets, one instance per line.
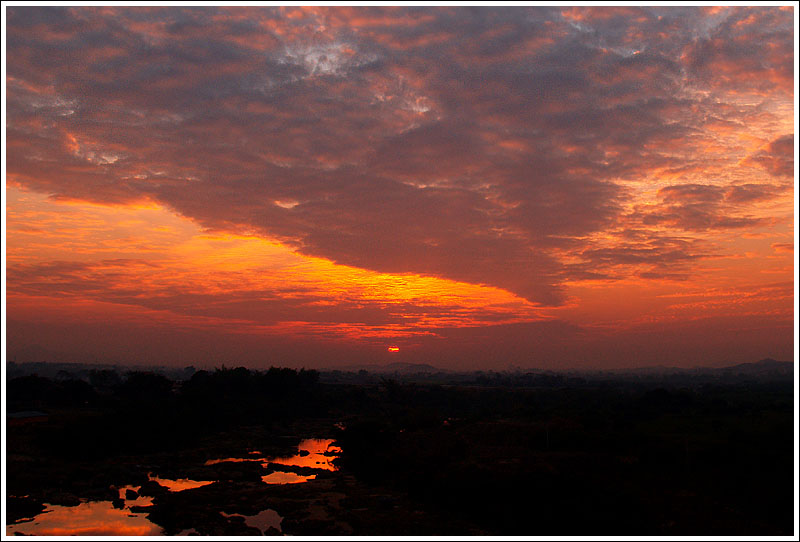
[312, 453]
[138, 500]
[89, 518]
[320, 455]
[280, 477]
[181, 484]
[233, 460]
[103, 518]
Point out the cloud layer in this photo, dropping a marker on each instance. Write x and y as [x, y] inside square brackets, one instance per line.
[521, 148]
[465, 143]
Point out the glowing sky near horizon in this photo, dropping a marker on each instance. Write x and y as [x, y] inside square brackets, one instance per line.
[476, 187]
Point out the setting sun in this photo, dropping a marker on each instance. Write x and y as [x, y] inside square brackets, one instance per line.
[393, 349]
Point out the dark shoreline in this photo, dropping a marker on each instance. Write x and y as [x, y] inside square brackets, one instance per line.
[422, 454]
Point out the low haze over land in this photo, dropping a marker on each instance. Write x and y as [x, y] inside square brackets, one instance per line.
[476, 187]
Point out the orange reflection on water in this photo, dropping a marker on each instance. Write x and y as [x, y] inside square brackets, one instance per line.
[279, 477]
[232, 460]
[312, 453]
[86, 519]
[140, 500]
[316, 458]
[180, 484]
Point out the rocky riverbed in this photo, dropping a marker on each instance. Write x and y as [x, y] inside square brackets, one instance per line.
[251, 481]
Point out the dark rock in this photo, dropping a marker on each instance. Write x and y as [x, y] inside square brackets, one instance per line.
[22, 507]
[62, 498]
[316, 527]
[152, 489]
[141, 509]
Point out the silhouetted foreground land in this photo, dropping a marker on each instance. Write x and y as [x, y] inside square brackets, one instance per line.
[688, 453]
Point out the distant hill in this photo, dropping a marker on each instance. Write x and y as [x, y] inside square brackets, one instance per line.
[764, 367]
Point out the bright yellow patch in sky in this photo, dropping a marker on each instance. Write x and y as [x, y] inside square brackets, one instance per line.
[138, 255]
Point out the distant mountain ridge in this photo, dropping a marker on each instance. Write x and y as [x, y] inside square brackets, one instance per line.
[765, 366]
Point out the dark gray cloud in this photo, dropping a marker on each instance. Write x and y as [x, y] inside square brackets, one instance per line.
[698, 207]
[778, 157]
[652, 256]
[723, 54]
[752, 192]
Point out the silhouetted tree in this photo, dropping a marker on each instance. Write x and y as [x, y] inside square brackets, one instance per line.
[104, 380]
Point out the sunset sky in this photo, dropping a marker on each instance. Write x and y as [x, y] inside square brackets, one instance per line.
[542, 187]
